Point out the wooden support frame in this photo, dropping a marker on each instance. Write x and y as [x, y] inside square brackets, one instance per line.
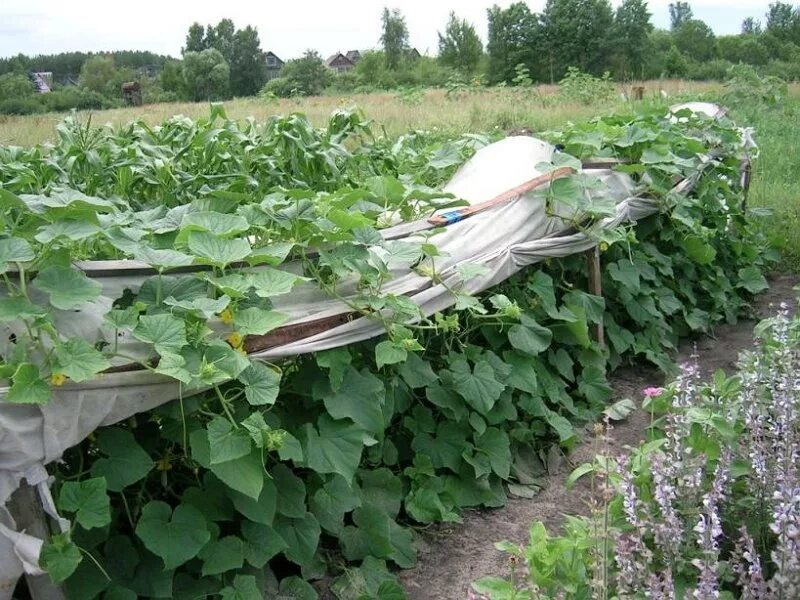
[595, 288]
[28, 513]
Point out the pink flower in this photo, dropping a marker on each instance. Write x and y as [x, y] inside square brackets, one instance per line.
[653, 391]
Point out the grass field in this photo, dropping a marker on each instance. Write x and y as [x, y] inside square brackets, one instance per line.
[776, 181]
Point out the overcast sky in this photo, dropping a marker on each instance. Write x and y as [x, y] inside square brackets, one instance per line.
[285, 27]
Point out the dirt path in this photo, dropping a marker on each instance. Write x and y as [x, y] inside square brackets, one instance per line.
[456, 555]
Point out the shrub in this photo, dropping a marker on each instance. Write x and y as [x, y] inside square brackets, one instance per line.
[578, 86]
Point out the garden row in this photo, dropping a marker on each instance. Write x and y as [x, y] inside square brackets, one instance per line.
[279, 475]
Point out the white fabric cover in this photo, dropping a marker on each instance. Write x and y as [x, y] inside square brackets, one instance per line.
[504, 239]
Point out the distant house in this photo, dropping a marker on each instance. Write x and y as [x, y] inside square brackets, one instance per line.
[340, 63]
[413, 54]
[43, 80]
[274, 65]
[354, 56]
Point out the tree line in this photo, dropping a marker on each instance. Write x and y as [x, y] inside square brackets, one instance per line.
[220, 61]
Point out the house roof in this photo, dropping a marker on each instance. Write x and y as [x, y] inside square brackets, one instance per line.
[271, 53]
[353, 55]
[339, 60]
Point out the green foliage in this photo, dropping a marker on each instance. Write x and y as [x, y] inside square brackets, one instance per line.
[206, 75]
[579, 34]
[747, 91]
[577, 86]
[325, 460]
[394, 37]
[306, 76]
[460, 47]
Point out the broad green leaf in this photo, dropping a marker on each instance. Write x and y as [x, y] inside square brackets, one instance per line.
[273, 255]
[495, 588]
[176, 537]
[28, 387]
[626, 273]
[382, 488]
[257, 321]
[335, 447]
[751, 279]
[14, 308]
[206, 307]
[244, 587]
[496, 445]
[14, 249]
[579, 472]
[78, 360]
[417, 372]
[88, 500]
[697, 249]
[125, 463]
[376, 534]
[530, 338]
[165, 332]
[66, 287]
[261, 543]
[295, 588]
[593, 384]
[389, 353]
[214, 250]
[222, 555]
[477, 386]
[244, 474]
[214, 222]
[162, 259]
[360, 398]
[72, 229]
[330, 503]
[301, 537]
[291, 491]
[270, 282]
[620, 409]
[225, 442]
[261, 510]
[60, 557]
[122, 319]
[261, 384]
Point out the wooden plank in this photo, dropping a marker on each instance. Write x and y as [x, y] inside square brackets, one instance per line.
[28, 513]
[595, 288]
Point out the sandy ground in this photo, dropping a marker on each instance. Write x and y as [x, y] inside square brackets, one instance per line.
[452, 556]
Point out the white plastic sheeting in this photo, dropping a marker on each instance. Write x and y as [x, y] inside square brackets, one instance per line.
[504, 239]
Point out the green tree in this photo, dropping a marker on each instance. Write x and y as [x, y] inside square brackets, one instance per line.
[783, 21]
[171, 78]
[97, 74]
[394, 37]
[675, 64]
[515, 37]
[248, 63]
[306, 76]
[195, 39]
[696, 40]
[579, 34]
[222, 37]
[751, 26]
[632, 29]
[15, 85]
[460, 47]
[206, 75]
[679, 13]
[747, 49]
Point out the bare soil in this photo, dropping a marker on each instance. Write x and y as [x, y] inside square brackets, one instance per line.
[452, 556]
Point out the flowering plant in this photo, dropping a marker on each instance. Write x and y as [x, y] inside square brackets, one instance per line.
[708, 508]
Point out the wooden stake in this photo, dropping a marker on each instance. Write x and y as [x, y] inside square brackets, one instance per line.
[28, 513]
[595, 288]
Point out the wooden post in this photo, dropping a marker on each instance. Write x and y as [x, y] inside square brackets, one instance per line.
[26, 509]
[595, 288]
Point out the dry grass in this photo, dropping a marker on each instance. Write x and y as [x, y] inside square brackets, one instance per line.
[535, 108]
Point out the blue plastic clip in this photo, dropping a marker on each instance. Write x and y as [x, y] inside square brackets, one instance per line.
[452, 217]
